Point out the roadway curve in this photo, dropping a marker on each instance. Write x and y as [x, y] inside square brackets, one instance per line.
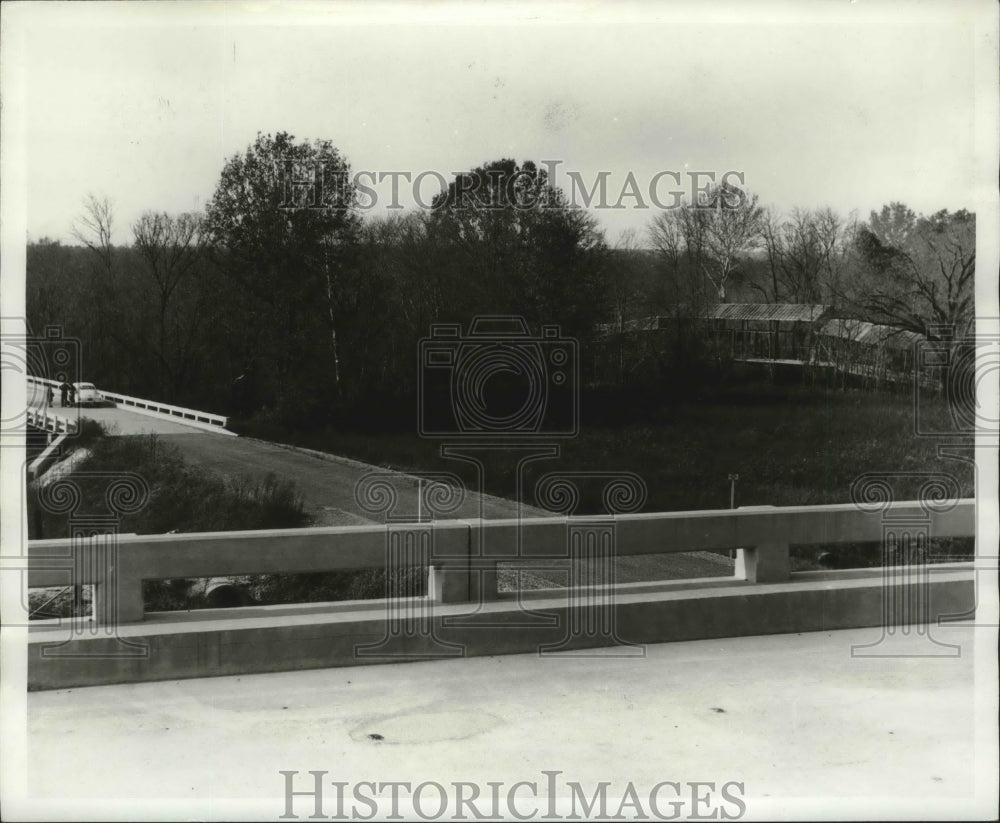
[326, 482]
[327, 485]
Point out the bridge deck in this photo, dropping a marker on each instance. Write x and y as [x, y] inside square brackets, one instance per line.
[791, 716]
[124, 422]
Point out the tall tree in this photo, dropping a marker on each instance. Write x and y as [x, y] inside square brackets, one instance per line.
[172, 247]
[714, 236]
[94, 229]
[626, 284]
[918, 271]
[105, 326]
[282, 225]
[678, 237]
[517, 247]
[731, 230]
[807, 254]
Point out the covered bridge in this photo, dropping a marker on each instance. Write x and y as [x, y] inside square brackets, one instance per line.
[796, 334]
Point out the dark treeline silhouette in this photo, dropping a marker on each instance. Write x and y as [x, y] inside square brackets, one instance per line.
[304, 316]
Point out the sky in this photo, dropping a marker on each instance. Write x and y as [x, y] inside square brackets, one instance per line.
[840, 104]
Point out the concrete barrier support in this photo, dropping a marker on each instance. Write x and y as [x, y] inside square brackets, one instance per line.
[131, 606]
[250, 640]
[463, 556]
[448, 584]
[767, 563]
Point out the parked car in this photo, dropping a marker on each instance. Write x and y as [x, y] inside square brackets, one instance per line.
[87, 395]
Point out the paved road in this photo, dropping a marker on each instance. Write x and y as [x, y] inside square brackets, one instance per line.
[327, 484]
[124, 422]
[793, 717]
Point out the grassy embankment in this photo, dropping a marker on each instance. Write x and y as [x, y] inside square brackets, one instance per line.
[183, 498]
[790, 445]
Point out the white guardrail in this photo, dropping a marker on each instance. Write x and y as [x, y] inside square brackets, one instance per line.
[164, 408]
[462, 557]
[43, 419]
[140, 404]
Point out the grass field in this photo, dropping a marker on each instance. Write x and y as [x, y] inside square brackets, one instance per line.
[180, 497]
[789, 446]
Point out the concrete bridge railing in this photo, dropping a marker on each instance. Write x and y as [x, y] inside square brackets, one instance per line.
[463, 556]
[139, 404]
[36, 386]
[45, 419]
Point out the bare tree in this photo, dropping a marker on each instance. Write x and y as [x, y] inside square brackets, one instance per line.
[774, 246]
[807, 252]
[94, 228]
[678, 236]
[666, 233]
[623, 287]
[731, 230]
[841, 257]
[171, 247]
[918, 271]
[105, 314]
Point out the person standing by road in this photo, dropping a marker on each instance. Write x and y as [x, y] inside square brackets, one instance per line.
[63, 392]
[48, 397]
[72, 395]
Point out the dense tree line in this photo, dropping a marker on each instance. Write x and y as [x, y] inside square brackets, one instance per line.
[298, 310]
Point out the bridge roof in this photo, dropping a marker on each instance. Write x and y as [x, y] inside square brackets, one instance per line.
[780, 312]
[861, 331]
[755, 312]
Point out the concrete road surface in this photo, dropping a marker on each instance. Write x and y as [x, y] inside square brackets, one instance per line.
[793, 718]
[327, 484]
[125, 422]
